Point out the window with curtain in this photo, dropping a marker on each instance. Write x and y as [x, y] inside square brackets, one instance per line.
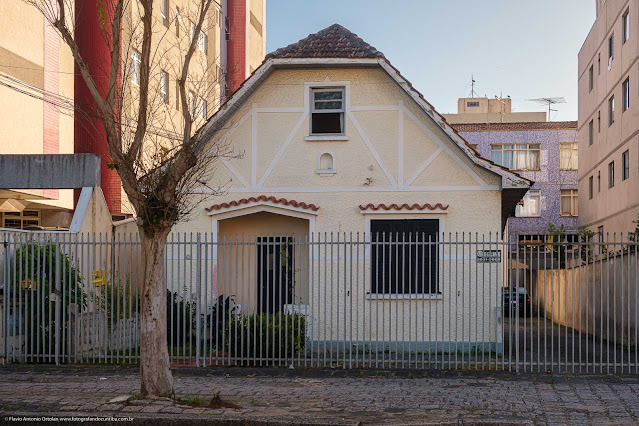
[569, 204]
[568, 156]
[530, 205]
[521, 156]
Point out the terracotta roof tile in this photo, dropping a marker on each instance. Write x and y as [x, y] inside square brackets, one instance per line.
[262, 198]
[540, 125]
[404, 206]
[332, 42]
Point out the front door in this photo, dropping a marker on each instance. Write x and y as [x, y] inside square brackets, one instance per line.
[274, 273]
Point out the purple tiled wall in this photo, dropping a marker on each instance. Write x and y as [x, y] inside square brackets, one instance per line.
[549, 180]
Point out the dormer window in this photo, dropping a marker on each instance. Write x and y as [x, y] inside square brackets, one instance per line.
[327, 111]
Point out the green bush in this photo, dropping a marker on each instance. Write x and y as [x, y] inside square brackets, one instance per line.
[266, 335]
[37, 268]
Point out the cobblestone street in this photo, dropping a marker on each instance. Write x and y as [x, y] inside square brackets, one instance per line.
[323, 396]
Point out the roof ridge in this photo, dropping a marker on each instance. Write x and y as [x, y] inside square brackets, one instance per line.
[334, 41]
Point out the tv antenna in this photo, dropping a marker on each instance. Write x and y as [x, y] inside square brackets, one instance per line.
[472, 87]
[550, 102]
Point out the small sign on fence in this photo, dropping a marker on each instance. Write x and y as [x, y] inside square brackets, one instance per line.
[488, 256]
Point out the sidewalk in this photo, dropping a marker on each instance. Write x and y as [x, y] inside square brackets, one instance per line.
[280, 397]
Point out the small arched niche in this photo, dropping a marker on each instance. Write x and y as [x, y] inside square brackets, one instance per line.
[326, 164]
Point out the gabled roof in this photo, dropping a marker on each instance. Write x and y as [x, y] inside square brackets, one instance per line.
[335, 46]
[332, 42]
[503, 127]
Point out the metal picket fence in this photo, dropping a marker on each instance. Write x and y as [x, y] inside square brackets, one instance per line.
[418, 301]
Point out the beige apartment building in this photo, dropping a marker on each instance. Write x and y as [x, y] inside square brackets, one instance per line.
[487, 110]
[34, 63]
[609, 119]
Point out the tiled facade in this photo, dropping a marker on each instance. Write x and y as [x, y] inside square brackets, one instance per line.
[549, 180]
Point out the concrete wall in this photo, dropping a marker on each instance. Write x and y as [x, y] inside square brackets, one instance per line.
[597, 298]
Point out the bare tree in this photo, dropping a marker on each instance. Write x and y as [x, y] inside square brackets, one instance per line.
[151, 142]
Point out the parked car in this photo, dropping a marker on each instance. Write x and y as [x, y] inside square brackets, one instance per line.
[518, 302]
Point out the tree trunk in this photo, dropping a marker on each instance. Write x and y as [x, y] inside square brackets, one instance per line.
[155, 368]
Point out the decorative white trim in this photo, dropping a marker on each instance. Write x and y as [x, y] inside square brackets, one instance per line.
[280, 109]
[221, 213]
[330, 171]
[374, 108]
[254, 146]
[280, 152]
[235, 172]
[400, 145]
[368, 143]
[324, 138]
[423, 167]
[338, 189]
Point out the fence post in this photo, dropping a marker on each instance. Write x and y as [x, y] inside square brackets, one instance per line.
[198, 278]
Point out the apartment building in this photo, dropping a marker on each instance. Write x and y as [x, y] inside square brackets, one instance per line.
[609, 119]
[231, 46]
[544, 152]
[34, 64]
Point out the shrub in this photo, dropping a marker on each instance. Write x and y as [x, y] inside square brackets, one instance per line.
[266, 335]
[180, 318]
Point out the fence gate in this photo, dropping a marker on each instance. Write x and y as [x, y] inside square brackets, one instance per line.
[399, 298]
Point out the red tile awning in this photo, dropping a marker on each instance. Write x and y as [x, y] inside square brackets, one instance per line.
[262, 198]
[419, 207]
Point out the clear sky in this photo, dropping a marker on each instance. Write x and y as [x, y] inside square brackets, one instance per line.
[522, 48]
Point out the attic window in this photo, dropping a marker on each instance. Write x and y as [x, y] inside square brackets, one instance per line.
[327, 112]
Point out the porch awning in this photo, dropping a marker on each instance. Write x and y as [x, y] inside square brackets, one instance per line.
[262, 199]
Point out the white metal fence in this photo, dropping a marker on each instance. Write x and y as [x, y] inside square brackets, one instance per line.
[337, 300]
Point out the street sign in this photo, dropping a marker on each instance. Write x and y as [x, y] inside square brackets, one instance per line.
[488, 256]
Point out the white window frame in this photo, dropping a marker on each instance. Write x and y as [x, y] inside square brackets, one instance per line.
[192, 104]
[203, 42]
[341, 111]
[201, 108]
[164, 86]
[164, 9]
[515, 148]
[573, 160]
[625, 95]
[525, 208]
[136, 63]
[625, 24]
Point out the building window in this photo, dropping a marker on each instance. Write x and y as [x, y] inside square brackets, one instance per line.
[327, 111]
[473, 104]
[568, 156]
[164, 12]
[192, 104]
[203, 43]
[25, 219]
[611, 49]
[625, 21]
[625, 95]
[590, 187]
[519, 156]
[611, 174]
[178, 22]
[625, 165]
[611, 111]
[164, 86]
[177, 94]
[590, 78]
[201, 108]
[599, 121]
[598, 181]
[568, 198]
[599, 64]
[136, 61]
[591, 132]
[398, 271]
[530, 205]
[192, 33]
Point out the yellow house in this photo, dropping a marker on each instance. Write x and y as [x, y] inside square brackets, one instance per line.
[342, 162]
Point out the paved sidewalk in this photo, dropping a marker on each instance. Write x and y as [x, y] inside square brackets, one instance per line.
[324, 397]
